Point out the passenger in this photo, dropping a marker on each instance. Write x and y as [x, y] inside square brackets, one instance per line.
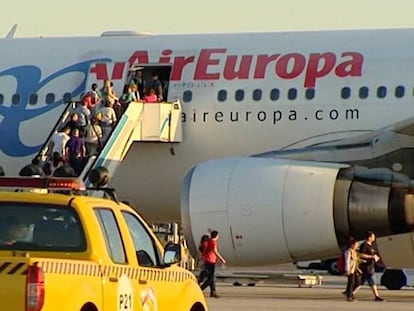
[64, 171]
[83, 116]
[73, 122]
[210, 259]
[107, 92]
[202, 248]
[108, 119]
[55, 162]
[75, 151]
[93, 137]
[352, 269]
[16, 231]
[87, 99]
[94, 94]
[33, 169]
[59, 140]
[369, 257]
[138, 80]
[154, 84]
[98, 117]
[134, 91]
[151, 97]
[126, 97]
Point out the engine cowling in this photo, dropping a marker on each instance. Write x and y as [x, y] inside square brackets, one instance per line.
[271, 211]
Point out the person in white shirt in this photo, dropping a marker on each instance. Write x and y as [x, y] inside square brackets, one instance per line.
[59, 141]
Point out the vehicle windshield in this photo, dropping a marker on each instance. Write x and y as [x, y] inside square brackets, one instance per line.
[42, 227]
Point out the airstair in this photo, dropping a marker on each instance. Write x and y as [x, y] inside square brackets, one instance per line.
[155, 122]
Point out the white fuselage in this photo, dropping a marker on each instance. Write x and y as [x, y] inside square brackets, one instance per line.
[250, 93]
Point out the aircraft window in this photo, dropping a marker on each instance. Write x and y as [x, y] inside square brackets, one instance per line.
[239, 95]
[381, 92]
[187, 96]
[67, 98]
[1, 99]
[310, 93]
[399, 91]
[50, 98]
[292, 94]
[33, 99]
[16, 99]
[222, 95]
[345, 92]
[257, 94]
[274, 94]
[363, 92]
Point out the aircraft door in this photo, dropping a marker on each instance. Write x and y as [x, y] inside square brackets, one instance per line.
[142, 75]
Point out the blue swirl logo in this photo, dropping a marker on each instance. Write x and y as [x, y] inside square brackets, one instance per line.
[28, 82]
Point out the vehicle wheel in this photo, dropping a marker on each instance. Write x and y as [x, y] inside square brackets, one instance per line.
[89, 307]
[393, 279]
[332, 267]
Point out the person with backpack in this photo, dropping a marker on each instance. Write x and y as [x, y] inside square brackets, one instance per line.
[351, 260]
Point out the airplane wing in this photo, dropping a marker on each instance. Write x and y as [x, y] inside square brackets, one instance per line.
[386, 151]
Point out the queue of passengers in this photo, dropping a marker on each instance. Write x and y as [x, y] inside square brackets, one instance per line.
[91, 123]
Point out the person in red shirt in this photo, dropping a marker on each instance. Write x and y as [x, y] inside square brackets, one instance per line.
[210, 258]
[150, 97]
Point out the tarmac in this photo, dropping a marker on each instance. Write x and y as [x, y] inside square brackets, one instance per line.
[326, 296]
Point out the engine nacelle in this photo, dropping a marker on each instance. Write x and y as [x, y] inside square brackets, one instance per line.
[271, 211]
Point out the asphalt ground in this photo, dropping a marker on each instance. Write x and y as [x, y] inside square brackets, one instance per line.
[278, 294]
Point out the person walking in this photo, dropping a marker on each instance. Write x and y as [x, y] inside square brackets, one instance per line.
[210, 259]
[369, 257]
[202, 248]
[352, 268]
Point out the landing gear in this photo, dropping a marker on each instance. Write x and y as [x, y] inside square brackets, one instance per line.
[394, 279]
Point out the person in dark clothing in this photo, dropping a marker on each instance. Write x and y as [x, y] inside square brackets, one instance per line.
[75, 151]
[202, 248]
[369, 257]
[33, 169]
[73, 122]
[154, 84]
[140, 84]
[210, 259]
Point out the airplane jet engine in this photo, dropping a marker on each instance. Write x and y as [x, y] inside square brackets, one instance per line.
[270, 211]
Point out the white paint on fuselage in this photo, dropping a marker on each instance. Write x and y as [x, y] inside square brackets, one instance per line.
[150, 176]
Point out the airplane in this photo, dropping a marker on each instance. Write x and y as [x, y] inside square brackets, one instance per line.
[291, 140]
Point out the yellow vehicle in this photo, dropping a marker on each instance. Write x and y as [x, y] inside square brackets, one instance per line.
[68, 251]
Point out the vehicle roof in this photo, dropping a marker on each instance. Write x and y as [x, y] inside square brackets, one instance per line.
[54, 198]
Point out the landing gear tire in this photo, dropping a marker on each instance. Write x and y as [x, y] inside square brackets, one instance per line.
[332, 267]
[393, 279]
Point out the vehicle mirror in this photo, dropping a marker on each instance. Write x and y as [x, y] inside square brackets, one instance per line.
[172, 253]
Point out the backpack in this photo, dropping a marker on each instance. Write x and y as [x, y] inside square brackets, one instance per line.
[340, 263]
